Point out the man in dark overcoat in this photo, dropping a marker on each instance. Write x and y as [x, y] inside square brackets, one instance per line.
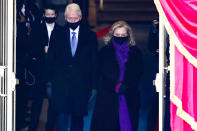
[73, 66]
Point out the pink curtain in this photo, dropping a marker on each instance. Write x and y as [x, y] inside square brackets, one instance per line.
[181, 19]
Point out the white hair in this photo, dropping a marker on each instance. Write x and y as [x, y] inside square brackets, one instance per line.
[73, 8]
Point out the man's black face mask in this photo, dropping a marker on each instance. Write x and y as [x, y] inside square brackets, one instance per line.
[73, 26]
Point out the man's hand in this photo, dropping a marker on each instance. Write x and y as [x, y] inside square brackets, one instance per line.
[46, 48]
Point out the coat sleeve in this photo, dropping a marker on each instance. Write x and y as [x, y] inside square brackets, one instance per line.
[94, 60]
[108, 69]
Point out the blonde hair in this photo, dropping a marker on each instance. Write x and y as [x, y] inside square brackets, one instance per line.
[120, 24]
[73, 7]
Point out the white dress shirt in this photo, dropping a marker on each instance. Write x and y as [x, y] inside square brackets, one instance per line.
[49, 30]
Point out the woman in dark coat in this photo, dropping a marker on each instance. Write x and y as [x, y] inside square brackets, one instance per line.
[120, 63]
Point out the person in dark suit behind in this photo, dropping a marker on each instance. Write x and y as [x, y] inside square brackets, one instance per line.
[27, 15]
[74, 65]
[41, 38]
[120, 69]
[153, 40]
[153, 46]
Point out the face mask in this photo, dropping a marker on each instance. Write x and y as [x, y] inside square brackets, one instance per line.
[121, 40]
[23, 9]
[73, 26]
[49, 20]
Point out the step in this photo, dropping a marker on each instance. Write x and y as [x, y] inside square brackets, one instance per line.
[128, 5]
[134, 17]
[128, 10]
[148, 9]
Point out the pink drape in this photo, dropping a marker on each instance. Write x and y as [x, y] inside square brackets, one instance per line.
[182, 16]
[185, 90]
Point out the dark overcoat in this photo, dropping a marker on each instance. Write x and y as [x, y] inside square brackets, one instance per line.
[38, 65]
[106, 117]
[73, 77]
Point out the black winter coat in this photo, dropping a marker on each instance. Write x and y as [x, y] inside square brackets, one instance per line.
[73, 77]
[106, 117]
[39, 68]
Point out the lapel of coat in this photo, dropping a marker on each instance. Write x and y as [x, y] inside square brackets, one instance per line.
[67, 41]
[45, 33]
[53, 32]
[113, 52]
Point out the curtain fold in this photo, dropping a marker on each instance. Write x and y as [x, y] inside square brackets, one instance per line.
[180, 20]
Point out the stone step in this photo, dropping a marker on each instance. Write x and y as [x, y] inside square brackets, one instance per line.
[129, 10]
[127, 16]
[128, 6]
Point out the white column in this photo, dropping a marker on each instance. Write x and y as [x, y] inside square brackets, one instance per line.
[161, 73]
[11, 81]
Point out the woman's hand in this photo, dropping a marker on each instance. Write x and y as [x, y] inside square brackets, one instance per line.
[121, 88]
